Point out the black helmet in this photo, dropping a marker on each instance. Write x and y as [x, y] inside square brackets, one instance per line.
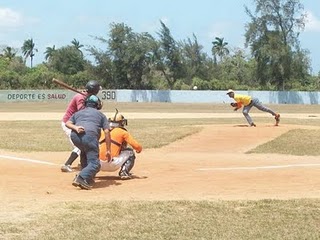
[93, 87]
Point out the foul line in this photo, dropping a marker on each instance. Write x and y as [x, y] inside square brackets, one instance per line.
[257, 168]
[26, 159]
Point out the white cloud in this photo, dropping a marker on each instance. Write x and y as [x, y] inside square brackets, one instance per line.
[312, 23]
[10, 18]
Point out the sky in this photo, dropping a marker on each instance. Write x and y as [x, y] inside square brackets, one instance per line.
[58, 22]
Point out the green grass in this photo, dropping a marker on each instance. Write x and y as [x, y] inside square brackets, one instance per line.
[155, 107]
[298, 142]
[49, 136]
[144, 220]
[264, 219]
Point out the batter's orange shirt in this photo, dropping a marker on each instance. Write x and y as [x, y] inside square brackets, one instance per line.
[118, 136]
[242, 99]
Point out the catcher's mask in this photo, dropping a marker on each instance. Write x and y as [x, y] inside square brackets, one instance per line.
[93, 101]
[118, 120]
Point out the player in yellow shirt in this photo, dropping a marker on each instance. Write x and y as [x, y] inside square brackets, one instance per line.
[248, 102]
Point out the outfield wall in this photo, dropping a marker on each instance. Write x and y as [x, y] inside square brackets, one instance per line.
[173, 96]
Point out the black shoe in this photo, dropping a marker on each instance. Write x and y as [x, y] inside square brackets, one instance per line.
[125, 175]
[91, 182]
[277, 118]
[78, 181]
[253, 125]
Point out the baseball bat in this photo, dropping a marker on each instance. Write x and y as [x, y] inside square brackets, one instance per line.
[63, 84]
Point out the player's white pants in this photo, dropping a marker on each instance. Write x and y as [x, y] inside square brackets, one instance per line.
[67, 131]
[116, 162]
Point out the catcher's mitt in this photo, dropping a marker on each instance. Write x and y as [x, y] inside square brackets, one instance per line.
[234, 104]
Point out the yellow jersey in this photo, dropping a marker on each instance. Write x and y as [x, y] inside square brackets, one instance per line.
[242, 99]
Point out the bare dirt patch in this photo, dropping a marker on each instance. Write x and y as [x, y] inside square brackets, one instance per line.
[209, 165]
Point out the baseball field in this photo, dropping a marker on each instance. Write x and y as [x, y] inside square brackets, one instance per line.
[203, 174]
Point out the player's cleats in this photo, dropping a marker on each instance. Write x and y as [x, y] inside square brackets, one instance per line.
[78, 181]
[252, 125]
[125, 175]
[66, 168]
[277, 118]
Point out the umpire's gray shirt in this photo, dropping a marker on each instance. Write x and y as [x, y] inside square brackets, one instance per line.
[91, 119]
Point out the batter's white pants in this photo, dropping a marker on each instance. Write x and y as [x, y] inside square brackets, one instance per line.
[67, 131]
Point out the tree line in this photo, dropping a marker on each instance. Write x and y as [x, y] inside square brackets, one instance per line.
[132, 60]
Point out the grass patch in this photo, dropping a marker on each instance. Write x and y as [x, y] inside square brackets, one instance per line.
[264, 219]
[155, 107]
[49, 136]
[298, 142]
[151, 133]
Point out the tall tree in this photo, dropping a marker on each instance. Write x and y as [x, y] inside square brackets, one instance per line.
[49, 52]
[168, 57]
[219, 48]
[28, 50]
[9, 53]
[77, 45]
[193, 58]
[272, 36]
[67, 60]
[131, 54]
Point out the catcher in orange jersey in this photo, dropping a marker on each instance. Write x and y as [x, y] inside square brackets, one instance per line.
[248, 102]
[122, 156]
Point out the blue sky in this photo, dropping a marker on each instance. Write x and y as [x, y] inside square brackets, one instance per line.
[58, 22]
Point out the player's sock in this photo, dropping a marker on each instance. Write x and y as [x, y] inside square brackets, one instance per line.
[73, 156]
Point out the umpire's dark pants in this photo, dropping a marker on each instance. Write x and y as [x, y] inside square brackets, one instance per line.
[89, 147]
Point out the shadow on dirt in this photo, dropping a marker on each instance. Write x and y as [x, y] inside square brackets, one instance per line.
[106, 181]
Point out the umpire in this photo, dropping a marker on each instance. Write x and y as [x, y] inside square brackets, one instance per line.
[86, 127]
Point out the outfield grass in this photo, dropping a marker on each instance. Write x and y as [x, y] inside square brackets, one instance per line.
[48, 135]
[263, 219]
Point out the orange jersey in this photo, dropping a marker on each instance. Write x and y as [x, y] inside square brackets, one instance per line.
[119, 137]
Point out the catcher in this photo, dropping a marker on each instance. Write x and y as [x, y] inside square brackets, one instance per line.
[122, 157]
[248, 102]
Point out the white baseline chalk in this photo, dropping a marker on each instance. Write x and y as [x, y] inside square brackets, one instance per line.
[257, 168]
[26, 160]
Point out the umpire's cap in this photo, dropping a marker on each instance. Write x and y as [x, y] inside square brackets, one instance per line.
[94, 102]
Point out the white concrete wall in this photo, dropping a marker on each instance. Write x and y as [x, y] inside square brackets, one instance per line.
[174, 96]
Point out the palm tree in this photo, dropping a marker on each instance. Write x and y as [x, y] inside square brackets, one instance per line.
[77, 45]
[219, 48]
[49, 52]
[28, 50]
[9, 53]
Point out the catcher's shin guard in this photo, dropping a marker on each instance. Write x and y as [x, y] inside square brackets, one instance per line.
[128, 165]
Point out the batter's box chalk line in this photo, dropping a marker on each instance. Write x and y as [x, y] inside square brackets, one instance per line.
[261, 167]
[26, 160]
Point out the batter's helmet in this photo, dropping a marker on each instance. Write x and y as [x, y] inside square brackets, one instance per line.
[93, 87]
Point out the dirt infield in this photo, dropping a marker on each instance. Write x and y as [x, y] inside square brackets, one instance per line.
[209, 165]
